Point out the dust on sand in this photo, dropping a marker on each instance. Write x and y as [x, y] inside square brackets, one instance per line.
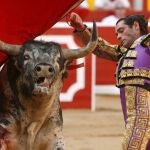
[99, 130]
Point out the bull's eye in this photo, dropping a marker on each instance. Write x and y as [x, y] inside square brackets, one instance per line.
[26, 57]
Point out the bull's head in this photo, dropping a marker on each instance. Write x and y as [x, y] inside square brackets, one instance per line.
[40, 66]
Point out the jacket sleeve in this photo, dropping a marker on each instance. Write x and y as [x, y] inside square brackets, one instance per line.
[103, 49]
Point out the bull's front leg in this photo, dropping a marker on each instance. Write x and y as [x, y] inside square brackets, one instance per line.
[57, 123]
[59, 145]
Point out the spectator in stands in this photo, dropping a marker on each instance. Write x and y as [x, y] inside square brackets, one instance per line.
[103, 4]
[90, 4]
[133, 74]
[110, 4]
[119, 10]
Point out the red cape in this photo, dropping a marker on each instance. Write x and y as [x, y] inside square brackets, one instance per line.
[21, 20]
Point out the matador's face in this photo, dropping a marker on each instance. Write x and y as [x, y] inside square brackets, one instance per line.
[126, 34]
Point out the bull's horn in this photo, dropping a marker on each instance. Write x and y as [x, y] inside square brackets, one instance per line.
[9, 48]
[82, 52]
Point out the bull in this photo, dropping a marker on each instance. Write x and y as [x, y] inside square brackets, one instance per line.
[30, 85]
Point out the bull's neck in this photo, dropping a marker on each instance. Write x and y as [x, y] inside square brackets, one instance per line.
[37, 111]
[38, 108]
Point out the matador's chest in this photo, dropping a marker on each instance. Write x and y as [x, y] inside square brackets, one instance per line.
[134, 68]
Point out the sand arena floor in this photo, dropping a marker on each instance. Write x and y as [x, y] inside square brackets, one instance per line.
[99, 130]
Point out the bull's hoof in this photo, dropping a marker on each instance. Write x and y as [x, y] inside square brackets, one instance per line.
[59, 148]
[60, 144]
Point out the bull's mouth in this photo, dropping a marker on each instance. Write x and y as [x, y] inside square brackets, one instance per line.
[40, 80]
[44, 82]
[42, 85]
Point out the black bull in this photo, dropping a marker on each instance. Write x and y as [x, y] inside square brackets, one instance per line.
[30, 112]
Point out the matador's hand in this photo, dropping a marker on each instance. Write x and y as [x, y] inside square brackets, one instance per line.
[76, 22]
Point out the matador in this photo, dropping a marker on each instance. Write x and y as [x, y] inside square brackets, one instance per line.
[132, 74]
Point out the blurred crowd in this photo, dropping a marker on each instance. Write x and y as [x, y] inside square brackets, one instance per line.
[104, 4]
[118, 8]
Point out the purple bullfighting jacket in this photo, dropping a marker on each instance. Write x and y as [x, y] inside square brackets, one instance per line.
[134, 67]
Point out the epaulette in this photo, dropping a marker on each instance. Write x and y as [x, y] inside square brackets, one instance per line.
[146, 41]
[134, 66]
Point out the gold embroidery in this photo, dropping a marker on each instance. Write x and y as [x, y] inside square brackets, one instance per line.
[143, 105]
[128, 53]
[130, 93]
[125, 63]
[129, 73]
[138, 123]
[135, 73]
[123, 50]
[148, 74]
[131, 54]
[144, 73]
[123, 74]
[134, 54]
[128, 63]
[134, 81]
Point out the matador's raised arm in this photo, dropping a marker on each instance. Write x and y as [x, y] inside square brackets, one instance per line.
[103, 49]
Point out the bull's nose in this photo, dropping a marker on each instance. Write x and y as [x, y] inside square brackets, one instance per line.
[44, 69]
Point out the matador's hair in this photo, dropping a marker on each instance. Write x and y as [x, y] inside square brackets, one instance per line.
[143, 23]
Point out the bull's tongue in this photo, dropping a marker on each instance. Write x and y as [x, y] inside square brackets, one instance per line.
[42, 86]
[45, 82]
